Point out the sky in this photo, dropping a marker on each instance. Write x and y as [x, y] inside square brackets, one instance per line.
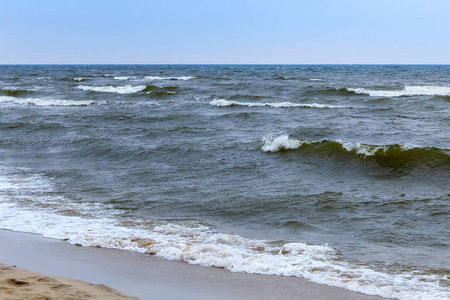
[225, 32]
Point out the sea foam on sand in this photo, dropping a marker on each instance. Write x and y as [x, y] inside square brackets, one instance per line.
[150, 277]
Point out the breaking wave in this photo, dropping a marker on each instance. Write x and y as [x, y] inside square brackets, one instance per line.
[33, 198]
[327, 91]
[223, 102]
[284, 78]
[388, 155]
[407, 91]
[124, 77]
[45, 102]
[127, 89]
[168, 78]
[157, 91]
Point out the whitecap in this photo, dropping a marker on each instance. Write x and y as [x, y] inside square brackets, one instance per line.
[283, 142]
[79, 79]
[123, 77]
[127, 89]
[45, 102]
[169, 78]
[368, 150]
[34, 198]
[223, 102]
[407, 91]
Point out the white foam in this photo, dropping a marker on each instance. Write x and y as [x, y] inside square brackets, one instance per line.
[44, 102]
[11, 88]
[127, 89]
[362, 149]
[283, 142]
[223, 102]
[79, 79]
[315, 79]
[123, 77]
[407, 91]
[168, 78]
[30, 203]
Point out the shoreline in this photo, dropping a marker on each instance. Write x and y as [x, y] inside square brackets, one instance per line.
[148, 277]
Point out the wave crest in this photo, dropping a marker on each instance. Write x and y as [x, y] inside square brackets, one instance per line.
[407, 91]
[45, 102]
[169, 78]
[14, 91]
[127, 89]
[35, 199]
[223, 103]
[123, 77]
[389, 155]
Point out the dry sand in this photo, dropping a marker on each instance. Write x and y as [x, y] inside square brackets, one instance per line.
[20, 284]
[135, 274]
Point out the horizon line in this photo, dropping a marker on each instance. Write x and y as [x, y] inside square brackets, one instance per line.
[225, 64]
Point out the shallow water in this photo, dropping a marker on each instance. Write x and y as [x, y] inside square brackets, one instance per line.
[339, 174]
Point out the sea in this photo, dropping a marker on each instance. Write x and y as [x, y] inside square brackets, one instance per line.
[339, 174]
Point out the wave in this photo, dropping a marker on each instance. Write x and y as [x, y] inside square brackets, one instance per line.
[157, 91]
[127, 89]
[407, 91]
[45, 102]
[244, 96]
[124, 77]
[159, 88]
[14, 91]
[326, 90]
[79, 79]
[168, 78]
[223, 102]
[284, 78]
[388, 155]
[161, 93]
[33, 198]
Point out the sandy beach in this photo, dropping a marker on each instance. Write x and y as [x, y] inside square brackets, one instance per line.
[18, 283]
[133, 274]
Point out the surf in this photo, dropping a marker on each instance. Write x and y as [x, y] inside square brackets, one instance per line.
[408, 91]
[127, 89]
[34, 198]
[387, 155]
[224, 103]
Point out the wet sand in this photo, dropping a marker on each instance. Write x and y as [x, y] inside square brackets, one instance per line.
[138, 275]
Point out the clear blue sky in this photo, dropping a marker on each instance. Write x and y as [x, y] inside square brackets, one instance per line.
[233, 31]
